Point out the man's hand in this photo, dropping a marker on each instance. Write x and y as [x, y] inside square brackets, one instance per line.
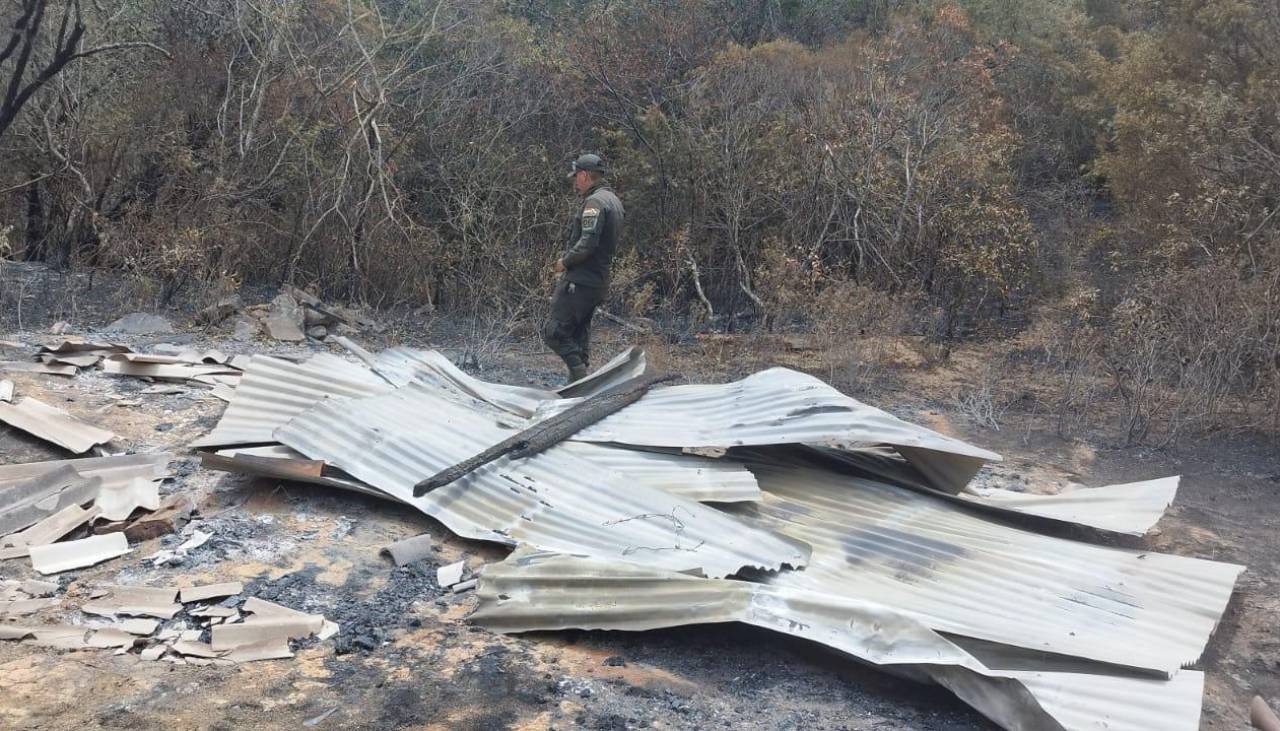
[558, 267]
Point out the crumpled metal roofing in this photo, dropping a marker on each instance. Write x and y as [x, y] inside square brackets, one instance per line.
[781, 406]
[695, 478]
[630, 363]
[282, 463]
[431, 367]
[540, 591]
[273, 391]
[1133, 508]
[554, 500]
[964, 575]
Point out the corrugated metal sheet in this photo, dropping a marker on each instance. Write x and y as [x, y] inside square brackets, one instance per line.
[1132, 508]
[273, 391]
[553, 500]
[694, 478]
[432, 368]
[539, 591]
[282, 463]
[630, 363]
[964, 575]
[53, 425]
[781, 406]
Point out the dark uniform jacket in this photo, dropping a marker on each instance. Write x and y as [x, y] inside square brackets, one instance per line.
[594, 238]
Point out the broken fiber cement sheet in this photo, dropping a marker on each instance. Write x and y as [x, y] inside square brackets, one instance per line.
[47, 531]
[553, 500]
[113, 471]
[532, 591]
[959, 573]
[58, 557]
[780, 406]
[53, 425]
[28, 501]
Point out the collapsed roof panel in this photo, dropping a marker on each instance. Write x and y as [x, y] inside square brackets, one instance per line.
[554, 500]
[1132, 509]
[968, 576]
[627, 365]
[532, 591]
[689, 476]
[432, 368]
[273, 391]
[781, 406]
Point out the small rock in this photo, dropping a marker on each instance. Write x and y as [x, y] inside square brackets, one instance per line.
[164, 427]
[246, 329]
[312, 318]
[284, 329]
[319, 332]
[287, 308]
[615, 661]
[219, 311]
[140, 323]
[60, 327]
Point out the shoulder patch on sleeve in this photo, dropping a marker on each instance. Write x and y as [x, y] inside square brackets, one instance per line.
[590, 218]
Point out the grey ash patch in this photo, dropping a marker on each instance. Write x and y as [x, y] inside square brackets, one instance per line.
[367, 621]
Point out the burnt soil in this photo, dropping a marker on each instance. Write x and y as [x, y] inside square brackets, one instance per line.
[407, 658]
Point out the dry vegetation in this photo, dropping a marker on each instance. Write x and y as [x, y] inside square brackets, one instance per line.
[1087, 188]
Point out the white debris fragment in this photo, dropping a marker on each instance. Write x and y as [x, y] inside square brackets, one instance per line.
[328, 629]
[59, 557]
[36, 588]
[447, 576]
[153, 653]
[210, 591]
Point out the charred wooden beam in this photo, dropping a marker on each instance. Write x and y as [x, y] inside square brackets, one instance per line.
[548, 432]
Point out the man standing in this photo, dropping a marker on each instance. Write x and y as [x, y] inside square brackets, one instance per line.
[584, 269]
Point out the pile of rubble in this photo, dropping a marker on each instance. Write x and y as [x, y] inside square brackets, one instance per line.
[775, 501]
[293, 316]
[196, 625]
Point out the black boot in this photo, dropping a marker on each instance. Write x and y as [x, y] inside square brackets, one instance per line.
[577, 373]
